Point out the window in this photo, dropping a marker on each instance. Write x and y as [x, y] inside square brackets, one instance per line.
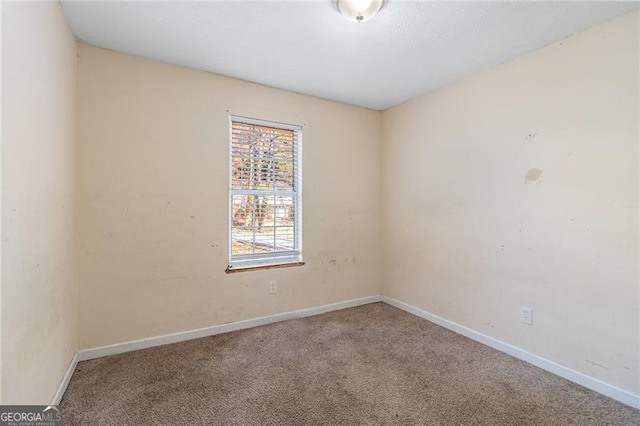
[265, 194]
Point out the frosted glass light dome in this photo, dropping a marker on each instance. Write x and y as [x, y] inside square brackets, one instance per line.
[359, 10]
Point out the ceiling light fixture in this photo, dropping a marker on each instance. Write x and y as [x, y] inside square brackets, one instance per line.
[359, 10]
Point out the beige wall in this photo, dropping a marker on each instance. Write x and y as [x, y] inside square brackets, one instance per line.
[472, 232]
[38, 134]
[153, 219]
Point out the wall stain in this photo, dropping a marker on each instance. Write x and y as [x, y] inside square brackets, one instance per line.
[596, 364]
[533, 175]
[179, 277]
[530, 136]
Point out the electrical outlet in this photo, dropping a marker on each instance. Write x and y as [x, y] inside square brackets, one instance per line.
[526, 315]
[273, 287]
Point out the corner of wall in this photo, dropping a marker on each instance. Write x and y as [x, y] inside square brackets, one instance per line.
[39, 283]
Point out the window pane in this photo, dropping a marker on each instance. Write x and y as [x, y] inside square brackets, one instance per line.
[285, 238]
[265, 239]
[262, 223]
[254, 223]
[284, 209]
[261, 157]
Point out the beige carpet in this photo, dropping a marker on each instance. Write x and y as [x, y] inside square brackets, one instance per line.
[370, 365]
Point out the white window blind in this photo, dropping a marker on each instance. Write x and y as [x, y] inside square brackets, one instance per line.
[265, 193]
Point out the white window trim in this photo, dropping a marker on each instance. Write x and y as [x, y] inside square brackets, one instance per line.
[282, 258]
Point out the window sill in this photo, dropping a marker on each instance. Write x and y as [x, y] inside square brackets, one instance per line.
[230, 270]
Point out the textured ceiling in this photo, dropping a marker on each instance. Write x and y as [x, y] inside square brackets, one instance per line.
[409, 49]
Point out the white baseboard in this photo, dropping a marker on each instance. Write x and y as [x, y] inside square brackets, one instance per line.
[118, 348]
[589, 382]
[65, 380]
